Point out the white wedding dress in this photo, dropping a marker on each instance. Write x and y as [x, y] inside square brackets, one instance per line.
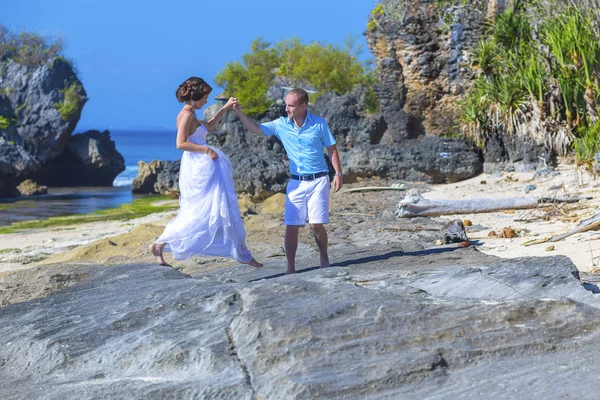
[208, 221]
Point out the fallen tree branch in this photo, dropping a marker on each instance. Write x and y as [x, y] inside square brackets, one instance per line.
[584, 226]
[372, 188]
[414, 205]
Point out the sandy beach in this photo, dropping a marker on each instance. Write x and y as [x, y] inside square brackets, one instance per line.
[126, 241]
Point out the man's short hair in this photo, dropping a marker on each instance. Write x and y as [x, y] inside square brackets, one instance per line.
[300, 94]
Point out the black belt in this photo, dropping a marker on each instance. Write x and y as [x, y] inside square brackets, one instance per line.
[309, 177]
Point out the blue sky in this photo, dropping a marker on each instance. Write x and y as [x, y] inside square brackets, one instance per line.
[131, 55]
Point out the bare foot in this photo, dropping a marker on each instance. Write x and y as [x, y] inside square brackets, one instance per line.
[157, 251]
[325, 263]
[253, 263]
[289, 272]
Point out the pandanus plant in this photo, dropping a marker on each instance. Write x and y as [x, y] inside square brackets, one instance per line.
[576, 52]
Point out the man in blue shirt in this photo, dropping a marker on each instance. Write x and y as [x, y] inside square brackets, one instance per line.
[304, 136]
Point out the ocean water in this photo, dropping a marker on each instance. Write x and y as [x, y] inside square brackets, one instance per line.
[145, 145]
[134, 145]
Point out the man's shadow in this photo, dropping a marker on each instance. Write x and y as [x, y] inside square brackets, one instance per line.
[369, 259]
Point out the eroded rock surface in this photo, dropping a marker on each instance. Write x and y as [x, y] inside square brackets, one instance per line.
[443, 323]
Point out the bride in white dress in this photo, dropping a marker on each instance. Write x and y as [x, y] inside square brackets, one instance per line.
[208, 221]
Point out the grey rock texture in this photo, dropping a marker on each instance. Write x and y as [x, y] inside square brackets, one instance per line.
[385, 324]
[34, 93]
[35, 139]
[167, 179]
[422, 50]
[147, 176]
[504, 152]
[347, 118]
[454, 232]
[431, 159]
[90, 159]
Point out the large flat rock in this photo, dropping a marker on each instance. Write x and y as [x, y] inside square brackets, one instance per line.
[444, 323]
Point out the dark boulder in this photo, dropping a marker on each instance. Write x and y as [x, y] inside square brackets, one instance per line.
[90, 159]
[39, 109]
[432, 159]
[348, 119]
[167, 179]
[36, 95]
[516, 152]
[454, 232]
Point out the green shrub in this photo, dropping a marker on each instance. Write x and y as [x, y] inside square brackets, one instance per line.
[587, 144]
[28, 48]
[4, 123]
[71, 101]
[325, 67]
[250, 80]
[547, 74]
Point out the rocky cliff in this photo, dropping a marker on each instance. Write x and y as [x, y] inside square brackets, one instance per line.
[40, 106]
[422, 50]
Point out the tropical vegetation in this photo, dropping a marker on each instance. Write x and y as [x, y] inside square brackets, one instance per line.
[323, 67]
[538, 75]
[27, 48]
[72, 99]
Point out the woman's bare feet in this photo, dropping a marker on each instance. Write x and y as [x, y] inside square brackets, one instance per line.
[157, 251]
[253, 263]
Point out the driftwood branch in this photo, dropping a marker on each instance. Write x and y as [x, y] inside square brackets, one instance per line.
[414, 205]
[584, 226]
[372, 188]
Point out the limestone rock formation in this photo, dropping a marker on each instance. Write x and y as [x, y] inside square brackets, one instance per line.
[34, 94]
[422, 50]
[378, 324]
[90, 159]
[167, 179]
[39, 109]
[147, 176]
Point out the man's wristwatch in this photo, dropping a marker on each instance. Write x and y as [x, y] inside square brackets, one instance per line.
[340, 175]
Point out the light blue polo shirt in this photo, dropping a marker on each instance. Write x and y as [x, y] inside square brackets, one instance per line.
[304, 146]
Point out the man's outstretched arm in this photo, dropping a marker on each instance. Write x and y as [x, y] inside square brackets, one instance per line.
[247, 121]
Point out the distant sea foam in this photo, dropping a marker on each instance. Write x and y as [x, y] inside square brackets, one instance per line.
[126, 177]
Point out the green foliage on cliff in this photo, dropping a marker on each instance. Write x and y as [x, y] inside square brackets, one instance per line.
[541, 80]
[71, 101]
[28, 48]
[393, 10]
[4, 123]
[324, 67]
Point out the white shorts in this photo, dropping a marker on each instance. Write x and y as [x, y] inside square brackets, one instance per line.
[307, 199]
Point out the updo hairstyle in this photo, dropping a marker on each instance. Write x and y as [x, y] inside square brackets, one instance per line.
[192, 89]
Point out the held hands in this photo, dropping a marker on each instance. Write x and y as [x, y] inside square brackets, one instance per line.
[236, 106]
[231, 102]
